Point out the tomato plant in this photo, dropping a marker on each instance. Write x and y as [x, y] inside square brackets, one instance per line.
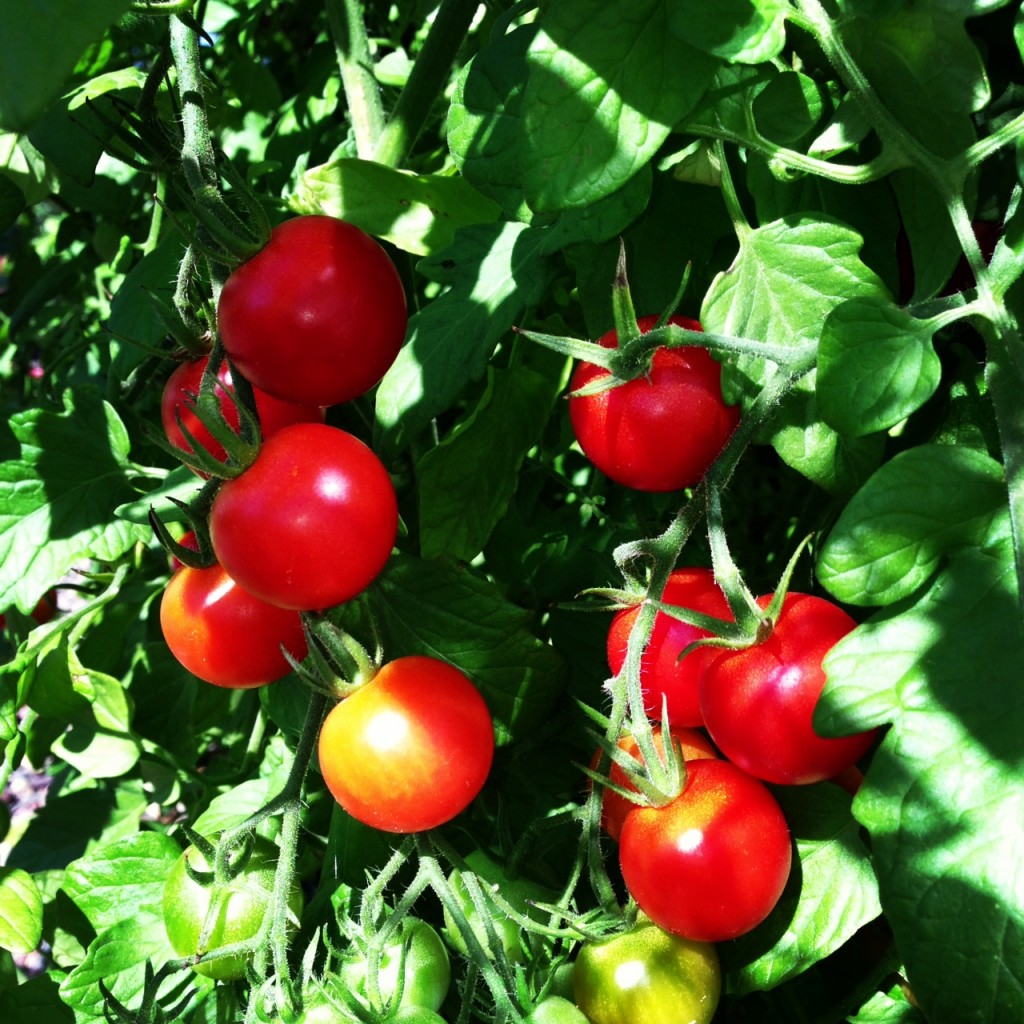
[670, 681]
[222, 634]
[415, 961]
[310, 523]
[223, 912]
[317, 316]
[712, 864]
[693, 745]
[177, 408]
[759, 703]
[411, 748]
[661, 431]
[520, 893]
[646, 974]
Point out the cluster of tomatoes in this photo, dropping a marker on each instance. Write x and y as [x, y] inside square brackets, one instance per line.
[710, 863]
[314, 320]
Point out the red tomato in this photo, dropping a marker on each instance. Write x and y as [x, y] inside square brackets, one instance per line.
[310, 523]
[712, 864]
[317, 316]
[614, 808]
[409, 750]
[223, 634]
[759, 703]
[188, 540]
[662, 674]
[659, 432]
[184, 382]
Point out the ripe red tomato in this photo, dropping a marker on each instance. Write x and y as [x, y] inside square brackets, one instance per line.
[662, 674]
[695, 746]
[224, 635]
[711, 864]
[184, 382]
[317, 316]
[758, 704]
[659, 432]
[409, 750]
[646, 976]
[310, 523]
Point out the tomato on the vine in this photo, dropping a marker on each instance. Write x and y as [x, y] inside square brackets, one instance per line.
[647, 975]
[223, 634]
[556, 1010]
[310, 523]
[693, 745]
[758, 703]
[661, 431]
[664, 676]
[236, 907]
[418, 952]
[411, 748]
[183, 385]
[712, 864]
[317, 316]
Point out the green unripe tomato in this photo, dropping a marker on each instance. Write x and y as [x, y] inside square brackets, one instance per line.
[426, 971]
[556, 1010]
[514, 940]
[240, 906]
[646, 974]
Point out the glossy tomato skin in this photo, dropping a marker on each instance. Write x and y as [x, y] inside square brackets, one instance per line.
[663, 676]
[222, 634]
[310, 523]
[758, 704]
[409, 750]
[241, 905]
[185, 381]
[695, 746]
[317, 316]
[647, 975]
[661, 431]
[712, 864]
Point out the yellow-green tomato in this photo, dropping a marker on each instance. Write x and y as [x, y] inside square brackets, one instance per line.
[518, 893]
[239, 906]
[646, 974]
[418, 952]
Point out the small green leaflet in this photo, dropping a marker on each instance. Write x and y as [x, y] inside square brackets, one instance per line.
[21, 911]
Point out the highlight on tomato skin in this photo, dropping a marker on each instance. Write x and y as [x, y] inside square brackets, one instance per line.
[667, 680]
[410, 749]
[659, 432]
[224, 635]
[712, 864]
[758, 703]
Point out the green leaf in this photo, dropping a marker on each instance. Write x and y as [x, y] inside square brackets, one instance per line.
[12, 202]
[112, 882]
[743, 31]
[944, 795]
[21, 911]
[921, 505]
[180, 483]
[496, 271]
[467, 482]
[788, 108]
[234, 806]
[24, 166]
[419, 213]
[888, 1008]
[934, 247]
[38, 1000]
[607, 84]
[43, 40]
[876, 365]
[56, 500]
[435, 608]
[830, 895]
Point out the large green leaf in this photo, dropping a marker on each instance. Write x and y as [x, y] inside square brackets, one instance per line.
[56, 500]
[743, 31]
[944, 795]
[607, 84]
[43, 40]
